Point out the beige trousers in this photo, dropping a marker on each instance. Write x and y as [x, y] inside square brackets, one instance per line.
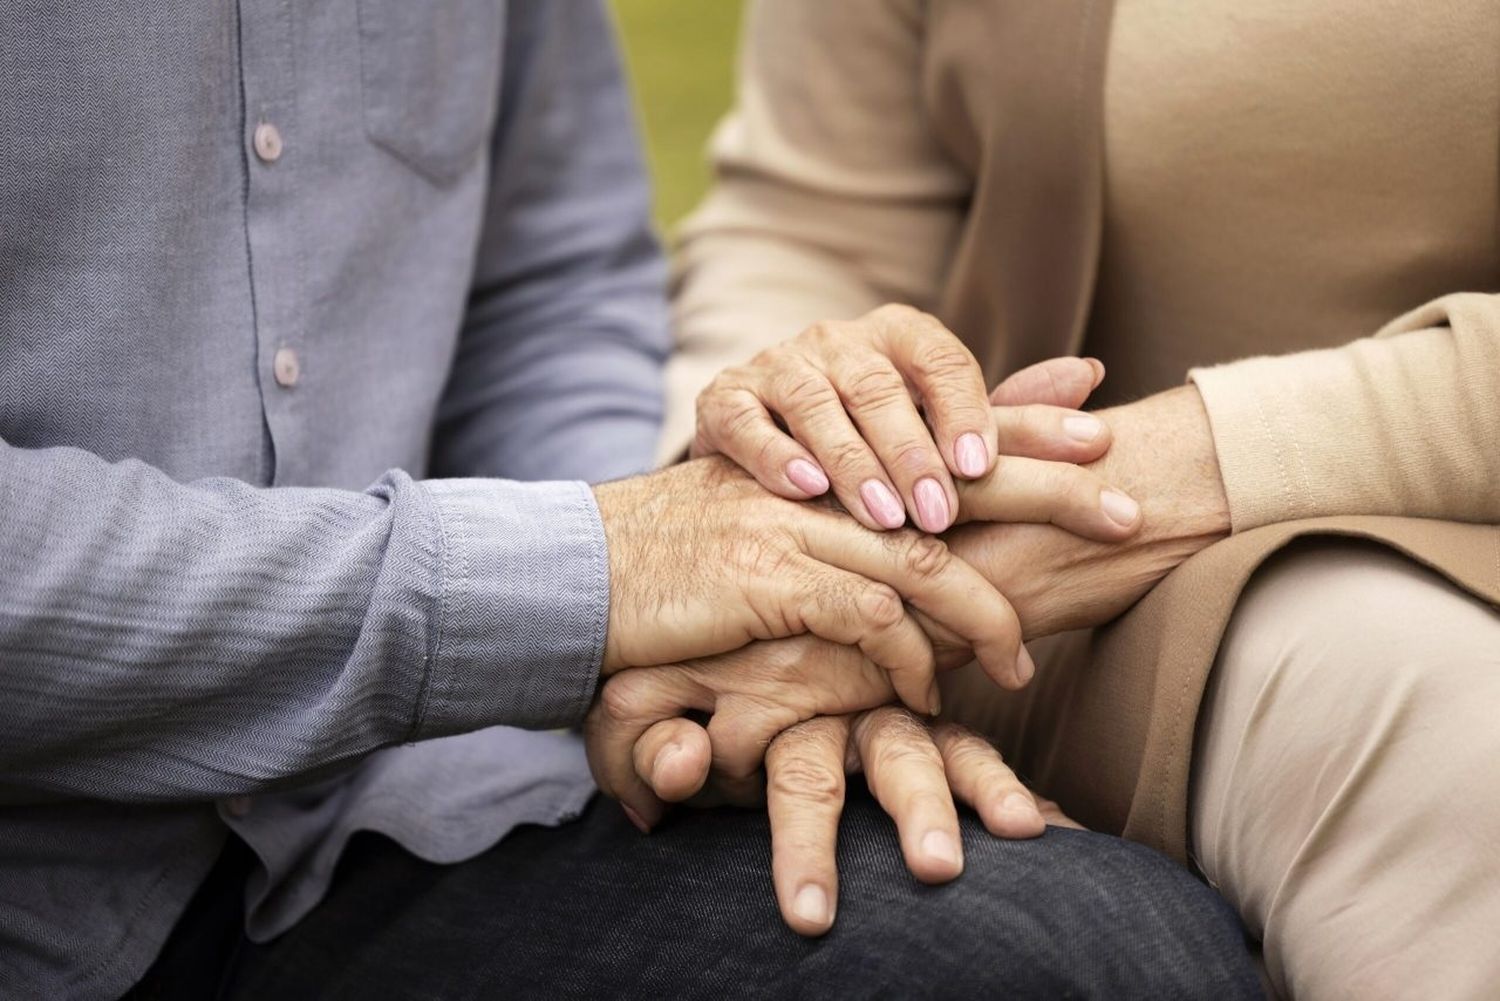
[1346, 783]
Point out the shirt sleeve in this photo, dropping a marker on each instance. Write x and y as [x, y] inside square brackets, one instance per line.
[831, 194]
[1405, 423]
[559, 368]
[163, 640]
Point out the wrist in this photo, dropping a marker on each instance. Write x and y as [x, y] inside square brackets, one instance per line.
[1164, 455]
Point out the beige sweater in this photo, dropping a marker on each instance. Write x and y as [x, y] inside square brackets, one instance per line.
[1285, 178]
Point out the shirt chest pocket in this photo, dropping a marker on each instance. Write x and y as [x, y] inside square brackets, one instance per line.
[430, 72]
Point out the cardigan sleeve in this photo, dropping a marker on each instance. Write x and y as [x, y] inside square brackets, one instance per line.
[830, 197]
[1405, 423]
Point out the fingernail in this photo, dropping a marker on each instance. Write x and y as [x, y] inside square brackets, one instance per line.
[1120, 509]
[1098, 367]
[934, 701]
[1083, 427]
[971, 455]
[1019, 806]
[811, 905]
[941, 846]
[806, 477]
[1025, 666]
[932, 505]
[882, 504]
[635, 818]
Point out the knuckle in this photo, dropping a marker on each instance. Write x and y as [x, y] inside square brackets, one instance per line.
[821, 333]
[738, 416]
[848, 458]
[947, 732]
[804, 388]
[900, 312]
[926, 556]
[795, 775]
[625, 697]
[880, 606]
[909, 459]
[970, 749]
[904, 748]
[874, 385]
[945, 359]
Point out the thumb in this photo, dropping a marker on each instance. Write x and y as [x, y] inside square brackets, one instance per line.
[1058, 382]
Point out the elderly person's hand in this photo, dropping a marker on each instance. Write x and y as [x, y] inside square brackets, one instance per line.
[915, 768]
[703, 561]
[848, 405]
[787, 719]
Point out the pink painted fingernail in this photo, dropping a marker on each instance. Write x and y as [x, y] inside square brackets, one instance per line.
[932, 505]
[882, 504]
[806, 477]
[971, 455]
[1083, 427]
[1120, 509]
[635, 818]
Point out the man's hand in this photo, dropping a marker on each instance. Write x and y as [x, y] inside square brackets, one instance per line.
[915, 769]
[1163, 453]
[703, 560]
[634, 730]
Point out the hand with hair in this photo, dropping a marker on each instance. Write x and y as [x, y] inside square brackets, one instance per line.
[777, 711]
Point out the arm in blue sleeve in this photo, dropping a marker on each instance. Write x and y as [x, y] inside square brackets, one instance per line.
[558, 374]
[162, 640]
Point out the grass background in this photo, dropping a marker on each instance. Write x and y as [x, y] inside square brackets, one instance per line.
[680, 55]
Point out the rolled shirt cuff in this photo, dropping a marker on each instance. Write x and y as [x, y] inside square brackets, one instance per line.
[523, 608]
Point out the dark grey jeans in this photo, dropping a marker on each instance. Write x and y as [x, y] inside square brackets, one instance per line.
[593, 909]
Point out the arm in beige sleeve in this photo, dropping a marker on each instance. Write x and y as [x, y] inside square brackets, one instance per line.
[1404, 423]
[831, 196]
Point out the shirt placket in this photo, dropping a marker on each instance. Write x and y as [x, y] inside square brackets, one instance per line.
[272, 137]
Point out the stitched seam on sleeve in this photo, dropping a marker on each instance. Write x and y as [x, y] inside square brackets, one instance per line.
[439, 621]
[1286, 484]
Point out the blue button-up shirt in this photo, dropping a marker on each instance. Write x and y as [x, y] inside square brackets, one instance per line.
[291, 294]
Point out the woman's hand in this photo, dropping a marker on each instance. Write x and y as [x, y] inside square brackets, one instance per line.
[886, 410]
[915, 768]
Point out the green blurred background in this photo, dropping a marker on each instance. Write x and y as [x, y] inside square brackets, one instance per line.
[680, 55]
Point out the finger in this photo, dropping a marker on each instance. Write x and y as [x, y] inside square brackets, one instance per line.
[1042, 432]
[851, 609]
[1060, 382]
[813, 411]
[876, 397]
[1060, 493]
[1053, 815]
[950, 383]
[905, 772]
[794, 681]
[979, 777]
[933, 580]
[734, 421]
[629, 703]
[804, 798]
[673, 758]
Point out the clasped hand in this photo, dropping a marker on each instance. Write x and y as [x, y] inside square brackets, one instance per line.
[792, 626]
